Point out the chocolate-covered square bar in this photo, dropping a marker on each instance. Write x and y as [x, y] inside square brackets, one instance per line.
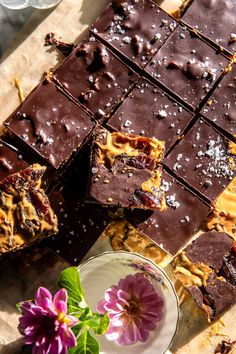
[205, 159]
[125, 170]
[187, 66]
[149, 111]
[214, 19]
[221, 106]
[79, 223]
[172, 227]
[51, 123]
[135, 29]
[95, 77]
[25, 212]
[207, 269]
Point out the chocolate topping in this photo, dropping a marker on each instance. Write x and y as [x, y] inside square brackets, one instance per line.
[50, 123]
[149, 111]
[95, 77]
[222, 296]
[215, 19]
[210, 248]
[171, 228]
[136, 29]
[203, 159]
[187, 66]
[221, 106]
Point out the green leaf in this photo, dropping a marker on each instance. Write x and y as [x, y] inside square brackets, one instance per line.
[86, 344]
[77, 328]
[70, 280]
[98, 323]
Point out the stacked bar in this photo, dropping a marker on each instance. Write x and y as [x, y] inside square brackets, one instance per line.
[139, 116]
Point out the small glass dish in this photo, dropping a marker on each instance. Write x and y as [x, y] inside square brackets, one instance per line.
[101, 272]
[22, 4]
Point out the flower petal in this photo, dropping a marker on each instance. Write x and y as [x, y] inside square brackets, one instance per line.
[56, 345]
[69, 338]
[43, 297]
[60, 301]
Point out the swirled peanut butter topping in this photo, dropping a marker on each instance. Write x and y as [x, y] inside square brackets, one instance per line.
[189, 273]
[127, 145]
[25, 212]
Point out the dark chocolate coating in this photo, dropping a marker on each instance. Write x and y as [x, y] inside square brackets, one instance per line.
[171, 228]
[11, 160]
[79, 224]
[50, 123]
[222, 296]
[215, 19]
[149, 111]
[119, 183]
[210, 248]
[221, 106]
[229, 268]
[134, 28]
[187, 66]
[95, 77]
[203, 160]
[76, 174]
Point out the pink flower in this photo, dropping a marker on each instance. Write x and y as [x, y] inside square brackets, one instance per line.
[134, 307]
[45, 323]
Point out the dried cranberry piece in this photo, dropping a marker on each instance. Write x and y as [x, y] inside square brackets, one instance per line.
[141, 162]
[147, 199]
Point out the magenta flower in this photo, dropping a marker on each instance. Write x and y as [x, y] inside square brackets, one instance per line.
[134, 308]
[45, 324]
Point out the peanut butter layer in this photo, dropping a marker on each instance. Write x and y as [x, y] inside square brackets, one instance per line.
[124, 236]
[207, 268]
[125, 170]
[25, 212]
[223, 217]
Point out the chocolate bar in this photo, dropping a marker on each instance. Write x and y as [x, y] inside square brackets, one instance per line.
[171, 228]
[215, 20]
[95, 77]
[51, 124]
[25, 211]
[151, 112]
[80, 224]
[221, 106]
[187, 66]
[204, 159]
[207, 269]
[125, 170]
[135, 29]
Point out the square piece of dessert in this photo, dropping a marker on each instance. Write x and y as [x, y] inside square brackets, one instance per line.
[205, 159]
[135, 29]
[173, 226]
[221, 106]
[95, 77]
[207, 269]
[25, 211]
[125, 170]
[150, 112]
[214, 19]
[51, 124]
[187, 66]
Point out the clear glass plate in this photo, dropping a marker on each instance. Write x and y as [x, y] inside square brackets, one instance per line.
[102, 271]
[21, 4]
